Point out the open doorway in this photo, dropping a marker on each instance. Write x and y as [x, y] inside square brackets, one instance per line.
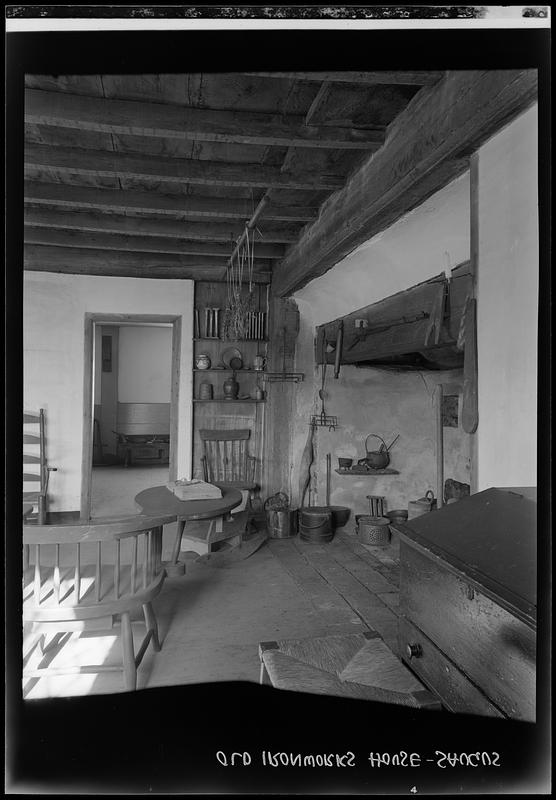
[130, 413]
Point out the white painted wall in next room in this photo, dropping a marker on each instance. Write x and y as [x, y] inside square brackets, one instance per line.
[54, 323]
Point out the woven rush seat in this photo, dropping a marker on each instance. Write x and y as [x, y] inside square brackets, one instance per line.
[358, 665]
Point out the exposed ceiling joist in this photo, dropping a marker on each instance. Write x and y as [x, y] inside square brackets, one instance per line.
[129, 117]
[82, 261]
[154, 203]
[406, 77]
[105, 164]
[141, 244]
[427, 146]
[176, 229]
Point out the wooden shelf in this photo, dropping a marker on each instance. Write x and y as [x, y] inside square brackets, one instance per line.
[222, 401]
[237, 371]
[209, 409]
[231, 342]
[367, 473]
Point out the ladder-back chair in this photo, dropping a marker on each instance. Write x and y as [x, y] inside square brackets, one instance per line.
[88, 576]
[34, 453]
[226, 460]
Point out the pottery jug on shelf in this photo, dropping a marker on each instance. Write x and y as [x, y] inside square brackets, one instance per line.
[202, 361]
[258, 394]
[205, 391]
[259, 363]
[231, 388]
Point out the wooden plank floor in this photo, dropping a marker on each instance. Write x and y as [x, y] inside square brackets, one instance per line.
[211, 620]
[343, 578]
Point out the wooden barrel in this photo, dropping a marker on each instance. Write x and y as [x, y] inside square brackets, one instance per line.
[315, 524]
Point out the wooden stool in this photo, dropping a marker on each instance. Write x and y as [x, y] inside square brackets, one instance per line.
[358, 665]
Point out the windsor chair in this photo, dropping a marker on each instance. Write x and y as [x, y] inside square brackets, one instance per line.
[227, 462]
[88, 577]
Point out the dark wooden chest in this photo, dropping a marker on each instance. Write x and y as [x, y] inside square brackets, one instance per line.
[468, 603]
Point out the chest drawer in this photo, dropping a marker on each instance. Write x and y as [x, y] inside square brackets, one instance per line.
[489, 644]
[438, 673]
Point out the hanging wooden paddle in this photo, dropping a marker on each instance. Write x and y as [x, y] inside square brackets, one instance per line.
[436, 318]
[470, 405]
[305, 466]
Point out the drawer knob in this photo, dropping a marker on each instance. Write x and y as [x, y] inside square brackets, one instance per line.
[414, 650]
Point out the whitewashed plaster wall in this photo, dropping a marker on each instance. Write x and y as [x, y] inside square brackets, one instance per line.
[145, 364]
[425, 242]
[507, 305]
[54, 307]
[422, 244]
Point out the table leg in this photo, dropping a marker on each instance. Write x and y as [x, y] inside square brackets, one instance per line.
[175, 568]
[177, 543]
[263, 678]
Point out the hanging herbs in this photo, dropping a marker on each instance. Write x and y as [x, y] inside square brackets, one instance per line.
[239, 305]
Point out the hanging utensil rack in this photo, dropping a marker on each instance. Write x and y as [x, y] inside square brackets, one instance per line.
[324, 420]
[292, 377]
[274, 377]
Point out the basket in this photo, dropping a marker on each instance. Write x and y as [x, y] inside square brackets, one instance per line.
[281, 520]
[374, 530]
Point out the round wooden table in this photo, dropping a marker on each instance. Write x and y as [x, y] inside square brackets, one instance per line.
[160, 500]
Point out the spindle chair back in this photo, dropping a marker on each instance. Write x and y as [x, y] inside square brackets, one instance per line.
[226, 457]
[88, 576]
[226, 460]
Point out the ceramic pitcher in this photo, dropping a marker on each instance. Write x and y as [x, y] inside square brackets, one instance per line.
[259, 363]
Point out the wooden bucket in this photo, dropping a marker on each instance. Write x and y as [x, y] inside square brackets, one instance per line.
[282, 523]
[315, 524]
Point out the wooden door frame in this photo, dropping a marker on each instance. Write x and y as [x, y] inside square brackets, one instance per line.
[92, 319]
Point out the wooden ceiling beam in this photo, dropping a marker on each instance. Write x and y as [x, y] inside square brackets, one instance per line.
[403, 77]
[154, 203]
[140, 244]
[81, 261]
[175, 229]
[428, 145]
[105, 164]
[132, 118]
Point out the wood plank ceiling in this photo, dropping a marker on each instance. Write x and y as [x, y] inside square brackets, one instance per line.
[157, 176]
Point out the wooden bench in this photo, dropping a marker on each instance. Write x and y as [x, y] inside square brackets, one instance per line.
[358, 665]
[143, 431]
